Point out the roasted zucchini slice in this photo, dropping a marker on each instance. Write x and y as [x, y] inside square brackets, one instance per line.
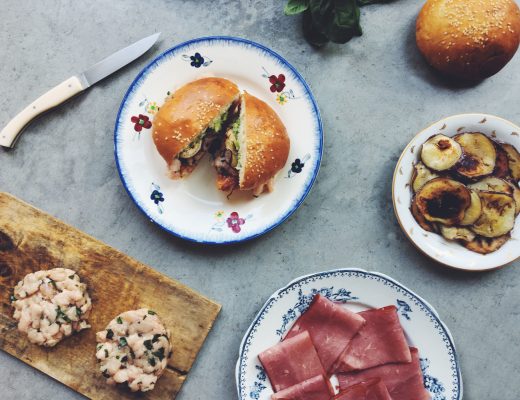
[427, 226]
[421, 175]
[479, 158]
[457, 233]
[473, 212]
[484, 245]
[498, 215]
[440, 152]
[192, 149]
[516, 196]
[502, 163]
[443, 200]
[492, 184]
[514, 160]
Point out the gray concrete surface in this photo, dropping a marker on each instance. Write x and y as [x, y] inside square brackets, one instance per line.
[375, 93]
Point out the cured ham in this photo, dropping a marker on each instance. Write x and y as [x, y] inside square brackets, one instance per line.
[292, 361]
[330, 326]
[404, 381]
[373, 389]
[380, 341]
[317, 388]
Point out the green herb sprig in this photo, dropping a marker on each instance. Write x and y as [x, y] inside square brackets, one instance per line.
[336, 21]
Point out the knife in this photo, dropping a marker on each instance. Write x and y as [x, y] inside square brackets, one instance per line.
[73, 86]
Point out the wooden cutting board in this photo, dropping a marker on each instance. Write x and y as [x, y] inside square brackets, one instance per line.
[31, 240]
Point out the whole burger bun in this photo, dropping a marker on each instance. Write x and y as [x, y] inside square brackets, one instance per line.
[468, 39]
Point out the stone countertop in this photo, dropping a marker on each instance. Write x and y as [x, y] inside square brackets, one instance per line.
[375, 93]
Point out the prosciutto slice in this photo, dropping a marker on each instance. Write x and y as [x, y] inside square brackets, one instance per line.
[404, 381]
[317, 388]
[330, 326]
[373, 389]
[292, 361]
[380, 341]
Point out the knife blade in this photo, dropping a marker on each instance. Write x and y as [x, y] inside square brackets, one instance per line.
[72, 86]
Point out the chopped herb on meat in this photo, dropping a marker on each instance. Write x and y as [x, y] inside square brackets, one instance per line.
[152, 361]
[119, 320]
[78, 312]
[156, 337]
[53, 283]
[148, 344]
[159, 353]
[12, 298]
[151, 312]
[106, 353]
[71, 276]
[124, 359]
[62, 315]
[110, 333]
[106, 374]
[123, 342]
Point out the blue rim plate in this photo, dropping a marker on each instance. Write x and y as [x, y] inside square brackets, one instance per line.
[358, 290]
[192, 208]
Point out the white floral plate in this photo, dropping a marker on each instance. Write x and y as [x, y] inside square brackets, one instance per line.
[193, 208]
[358, 290]
[433, 245]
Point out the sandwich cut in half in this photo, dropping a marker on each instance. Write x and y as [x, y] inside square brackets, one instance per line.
[246, 139]
[190, 122]
[253, 149]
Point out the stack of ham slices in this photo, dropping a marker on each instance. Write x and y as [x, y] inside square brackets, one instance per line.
[367, 352]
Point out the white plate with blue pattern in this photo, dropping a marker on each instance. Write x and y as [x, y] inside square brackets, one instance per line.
[193, 208]
[358, 290]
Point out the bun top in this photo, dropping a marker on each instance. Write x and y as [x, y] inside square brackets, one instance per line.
[469, 39]
[266, 141]
[189, 112]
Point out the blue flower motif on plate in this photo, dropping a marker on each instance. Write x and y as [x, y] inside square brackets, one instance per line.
[404, 309]
[433, 385]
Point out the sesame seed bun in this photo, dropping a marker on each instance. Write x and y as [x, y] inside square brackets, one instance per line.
[471, 40]
[264, 143]
[189, 112]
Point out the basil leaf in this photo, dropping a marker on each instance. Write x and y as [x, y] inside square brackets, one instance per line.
[367, 2]
[296, 7]
[311, 32]
[345, 24]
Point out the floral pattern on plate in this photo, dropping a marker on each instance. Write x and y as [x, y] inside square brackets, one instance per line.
[195, 197]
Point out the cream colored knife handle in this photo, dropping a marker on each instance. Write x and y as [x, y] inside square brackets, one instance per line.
[52, 98]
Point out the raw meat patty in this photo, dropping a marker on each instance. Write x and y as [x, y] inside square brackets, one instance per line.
[134, 348]
[51, 305]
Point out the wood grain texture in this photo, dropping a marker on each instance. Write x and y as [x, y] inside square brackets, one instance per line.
[31, 240]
